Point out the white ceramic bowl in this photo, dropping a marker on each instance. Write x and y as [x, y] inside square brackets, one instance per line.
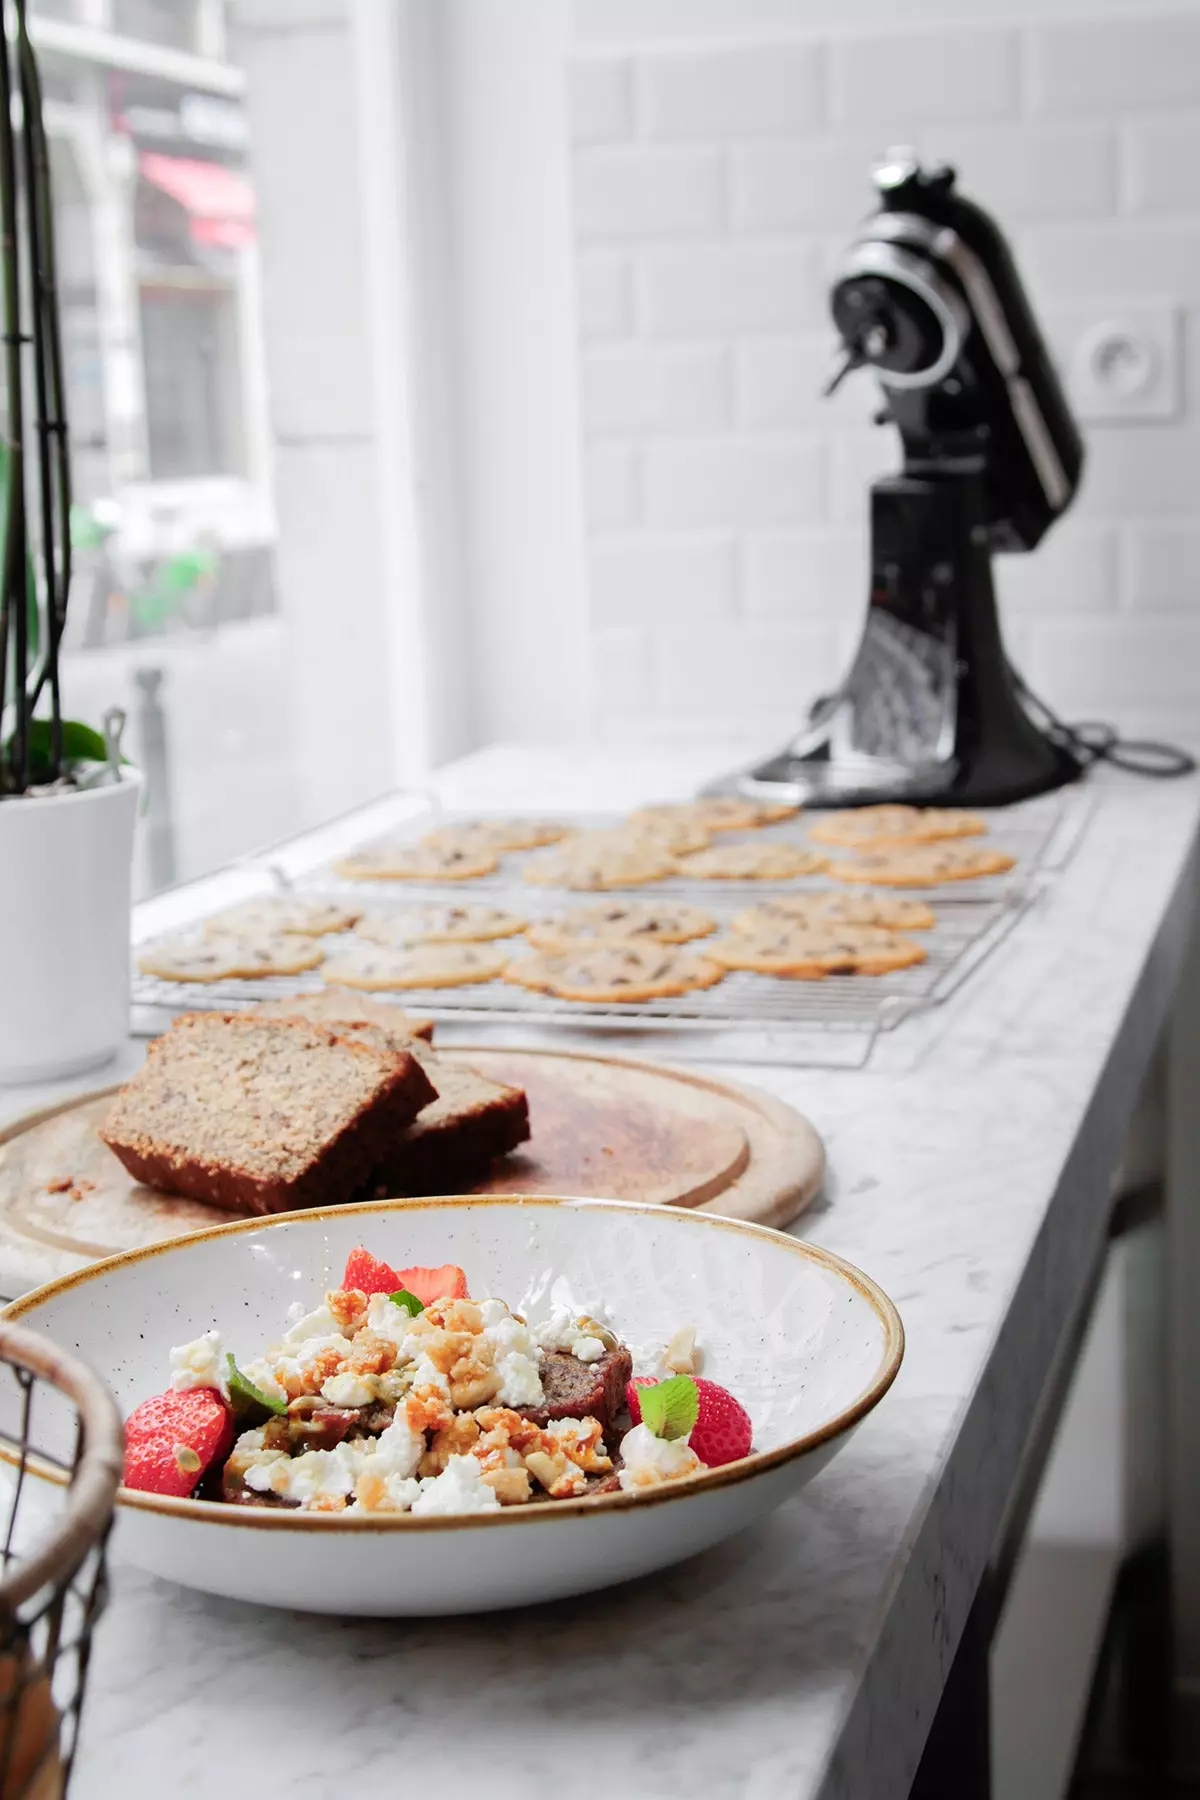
[807, 1343]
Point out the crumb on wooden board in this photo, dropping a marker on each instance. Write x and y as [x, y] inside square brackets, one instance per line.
[75, 1187]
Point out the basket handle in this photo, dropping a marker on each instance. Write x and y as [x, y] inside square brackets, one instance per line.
[93, 1488]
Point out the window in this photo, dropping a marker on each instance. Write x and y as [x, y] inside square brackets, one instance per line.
[170, 22]
[174, 607]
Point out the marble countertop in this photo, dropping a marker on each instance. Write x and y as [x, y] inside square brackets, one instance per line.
[969, 1168]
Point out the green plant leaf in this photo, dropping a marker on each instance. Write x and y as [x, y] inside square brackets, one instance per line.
[670, 1408]
[246, 1397]
[81, 743]
[409, 1302]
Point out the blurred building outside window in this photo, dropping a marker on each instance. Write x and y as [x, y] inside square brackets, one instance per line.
[173, 524]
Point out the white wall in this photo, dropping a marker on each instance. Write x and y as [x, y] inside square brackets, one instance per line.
[510, 291]
[714, 181]
[627, 22]
[347, 168]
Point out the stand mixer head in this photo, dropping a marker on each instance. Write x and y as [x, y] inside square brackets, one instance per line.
[929, 298]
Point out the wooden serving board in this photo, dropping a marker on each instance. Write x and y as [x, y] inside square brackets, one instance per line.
[603, 1127]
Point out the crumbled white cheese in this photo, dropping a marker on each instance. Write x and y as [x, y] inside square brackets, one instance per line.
[262, 1375]
[348, 1389]
[520, 1383]
[388, 1320]
[427, 1374]
[509, 1337]
[297, 1369]
[399, 1493]
[562, 1331]
[319, 1323]
[250, 1449]
[460, 1488]
[303, 1354]
[649, 1460]
[517, 1354]
[398, 1450]
[559, 1331]
[200, 1364]
[315, 1475]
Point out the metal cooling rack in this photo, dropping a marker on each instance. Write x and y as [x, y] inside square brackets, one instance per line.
[1032, 833]
[835, 1021]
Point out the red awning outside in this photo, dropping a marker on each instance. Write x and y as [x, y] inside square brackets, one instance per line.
[219, 201]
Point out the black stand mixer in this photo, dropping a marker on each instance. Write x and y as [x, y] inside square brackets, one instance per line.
[929, 298]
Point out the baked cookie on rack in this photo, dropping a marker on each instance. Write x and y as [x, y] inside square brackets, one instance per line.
[417, 862]
[384, 966]
[810, 952]
[923, 865]
[497, 834]
[620, 921]
[715, 812]
[346, 1006]
[596, 860]
[678, 836]
[615, 972]
[834, 906]
[888, 827]
[766, 859]
[440, 923]
[272, 913]
[212, 956]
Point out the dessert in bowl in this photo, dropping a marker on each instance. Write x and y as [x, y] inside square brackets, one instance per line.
[498, 1495]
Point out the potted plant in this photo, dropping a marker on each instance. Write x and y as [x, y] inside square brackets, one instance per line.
[67, 802]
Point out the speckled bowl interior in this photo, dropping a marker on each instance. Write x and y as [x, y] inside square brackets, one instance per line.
[808, 1344]
[790, 1331]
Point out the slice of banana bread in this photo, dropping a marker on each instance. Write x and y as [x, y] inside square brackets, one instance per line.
[262, 1115]
[344, 1005]
[455, 1139]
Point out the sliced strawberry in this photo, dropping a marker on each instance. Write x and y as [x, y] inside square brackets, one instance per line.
[172, 1439]
[722, 1433]
[446, 1283]
[370, 1276]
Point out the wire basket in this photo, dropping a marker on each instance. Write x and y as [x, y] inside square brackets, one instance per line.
[57, 1490]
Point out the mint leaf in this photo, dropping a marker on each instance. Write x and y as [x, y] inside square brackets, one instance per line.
[244, 1396]
[409, 1302]
[670, 1408]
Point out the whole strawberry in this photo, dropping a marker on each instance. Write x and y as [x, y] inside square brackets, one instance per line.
[171, 1439]
[722, 1431]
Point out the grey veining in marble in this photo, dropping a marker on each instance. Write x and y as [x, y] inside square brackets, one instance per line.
[969, 1171]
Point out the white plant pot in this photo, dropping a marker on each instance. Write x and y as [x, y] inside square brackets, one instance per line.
[65, 875]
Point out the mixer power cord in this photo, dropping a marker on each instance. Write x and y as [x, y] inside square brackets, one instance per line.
[1092, 741]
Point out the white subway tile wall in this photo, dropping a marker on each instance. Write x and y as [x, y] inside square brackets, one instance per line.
[727, 500]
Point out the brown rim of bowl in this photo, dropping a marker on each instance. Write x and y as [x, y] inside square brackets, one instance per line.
[215, 1512]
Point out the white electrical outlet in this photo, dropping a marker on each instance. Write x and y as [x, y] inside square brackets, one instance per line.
[1119, 361]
